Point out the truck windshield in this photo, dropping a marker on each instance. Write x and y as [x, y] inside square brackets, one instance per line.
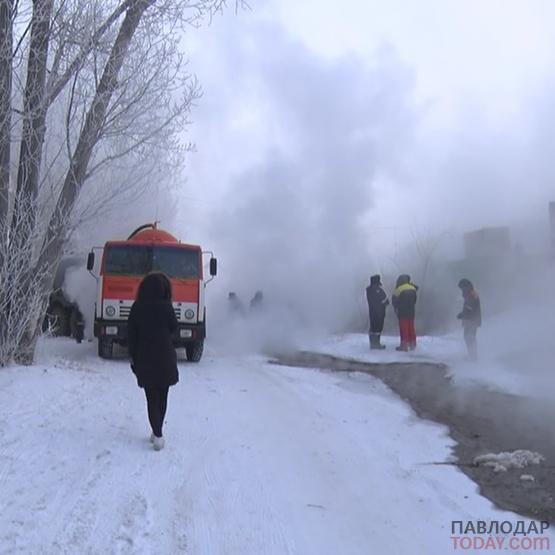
[139, 260]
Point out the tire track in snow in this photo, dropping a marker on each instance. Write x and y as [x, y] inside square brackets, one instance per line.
[225, 499]
[81, 513]
[134, 537]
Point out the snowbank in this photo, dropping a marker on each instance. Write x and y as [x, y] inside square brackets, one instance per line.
[501, 462]
[494, 369]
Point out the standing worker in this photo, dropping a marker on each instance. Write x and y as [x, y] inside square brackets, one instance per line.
[257, 302]
[151, 325]
[236, 307]
[404, 302]
[471, 316]
[377, 303]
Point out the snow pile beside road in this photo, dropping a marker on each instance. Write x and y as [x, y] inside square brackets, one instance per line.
[501, 462]
[491, 370]
[356, 346]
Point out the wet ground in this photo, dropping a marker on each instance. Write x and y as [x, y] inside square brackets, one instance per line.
[480, 420]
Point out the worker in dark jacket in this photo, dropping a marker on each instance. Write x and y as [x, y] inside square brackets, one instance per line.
[377, 303]
[151, 325]
[236, 307]
[257, 302]
[404, 302]
[471, 316]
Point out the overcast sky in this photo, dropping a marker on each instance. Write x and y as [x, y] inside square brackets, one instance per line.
[330, 128]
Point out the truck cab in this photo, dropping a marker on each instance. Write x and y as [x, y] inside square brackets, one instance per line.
[122, 268]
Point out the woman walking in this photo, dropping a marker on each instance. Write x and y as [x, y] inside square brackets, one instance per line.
[151, 325]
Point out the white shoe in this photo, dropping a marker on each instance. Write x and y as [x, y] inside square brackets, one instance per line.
[158, 443]
[152, 436]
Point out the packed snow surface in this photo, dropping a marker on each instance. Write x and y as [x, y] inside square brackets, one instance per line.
[259, 459]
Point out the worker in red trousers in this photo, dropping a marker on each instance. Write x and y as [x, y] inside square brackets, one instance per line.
[404, 302]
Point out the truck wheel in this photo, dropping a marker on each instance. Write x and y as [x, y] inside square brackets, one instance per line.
[105, 347]
[194, 351]
[57, 322]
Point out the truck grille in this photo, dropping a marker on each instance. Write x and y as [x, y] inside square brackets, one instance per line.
[125, 310]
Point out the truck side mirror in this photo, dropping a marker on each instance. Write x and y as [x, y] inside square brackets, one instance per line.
[90, 261]
[213, 266]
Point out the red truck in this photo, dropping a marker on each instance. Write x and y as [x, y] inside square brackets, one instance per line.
[125, 263]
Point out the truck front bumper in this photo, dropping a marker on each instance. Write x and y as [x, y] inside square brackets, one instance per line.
[117, 331]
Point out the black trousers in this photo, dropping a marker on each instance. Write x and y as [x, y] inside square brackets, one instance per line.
[470, 340]
[376, 323]
[156, 403]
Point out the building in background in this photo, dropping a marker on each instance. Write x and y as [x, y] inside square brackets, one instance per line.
[488, 242]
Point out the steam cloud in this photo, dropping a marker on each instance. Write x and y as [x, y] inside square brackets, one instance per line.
[293, 223]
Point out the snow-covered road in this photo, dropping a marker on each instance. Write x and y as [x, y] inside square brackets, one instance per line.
[259, 459]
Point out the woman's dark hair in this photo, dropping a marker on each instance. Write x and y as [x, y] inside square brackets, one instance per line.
[155, 287]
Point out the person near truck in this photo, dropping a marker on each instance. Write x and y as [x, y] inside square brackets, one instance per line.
[257, 302]
[471, 316]
[151, 325]
[377, 303]
[404, 302]
[236, 307]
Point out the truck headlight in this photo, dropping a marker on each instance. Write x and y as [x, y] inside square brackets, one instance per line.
[189, 314]
[110, 311]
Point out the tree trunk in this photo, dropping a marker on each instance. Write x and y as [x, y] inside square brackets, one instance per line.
[6, 48]
[30, 155]
[56, 234]
[6, 54]
[25, 354]
[34, 120]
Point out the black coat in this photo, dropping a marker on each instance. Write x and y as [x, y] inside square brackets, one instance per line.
[377, 303]
[404, 300]
[150, 329]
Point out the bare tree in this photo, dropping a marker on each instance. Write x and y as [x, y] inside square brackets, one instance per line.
[421, 258]
[104, 81]
[17, 283]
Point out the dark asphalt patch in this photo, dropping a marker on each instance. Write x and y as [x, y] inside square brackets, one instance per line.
[480, 420]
